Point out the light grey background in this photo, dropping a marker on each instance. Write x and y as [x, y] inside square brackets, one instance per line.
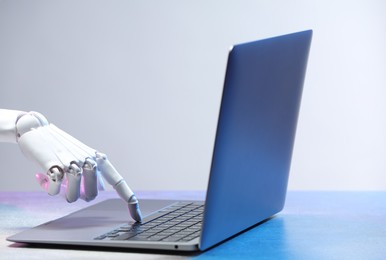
[142, 80]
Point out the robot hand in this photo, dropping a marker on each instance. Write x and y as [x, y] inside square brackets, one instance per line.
[68, 162]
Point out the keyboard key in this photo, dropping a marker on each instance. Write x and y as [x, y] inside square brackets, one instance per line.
[125, 236]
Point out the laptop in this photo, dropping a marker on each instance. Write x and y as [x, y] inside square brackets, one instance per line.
[249, 170]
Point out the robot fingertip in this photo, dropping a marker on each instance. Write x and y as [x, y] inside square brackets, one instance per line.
[135, 212]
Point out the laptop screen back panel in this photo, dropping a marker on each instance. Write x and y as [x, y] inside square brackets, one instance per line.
[255, 134]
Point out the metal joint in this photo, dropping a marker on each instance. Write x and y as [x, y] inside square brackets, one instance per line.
[55, 173]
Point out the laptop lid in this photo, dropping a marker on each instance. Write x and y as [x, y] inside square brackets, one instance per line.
[255, 134]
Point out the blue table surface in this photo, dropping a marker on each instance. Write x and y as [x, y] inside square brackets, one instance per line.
[313, 225]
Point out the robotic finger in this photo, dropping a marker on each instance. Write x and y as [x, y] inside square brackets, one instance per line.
[89, 188]
[55, 177]
[74, 176]
[119, 184]
[52, 180]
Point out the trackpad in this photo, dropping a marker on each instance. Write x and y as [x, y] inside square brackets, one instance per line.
[87, 223]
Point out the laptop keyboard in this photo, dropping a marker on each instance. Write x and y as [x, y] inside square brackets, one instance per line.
[178, 222]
